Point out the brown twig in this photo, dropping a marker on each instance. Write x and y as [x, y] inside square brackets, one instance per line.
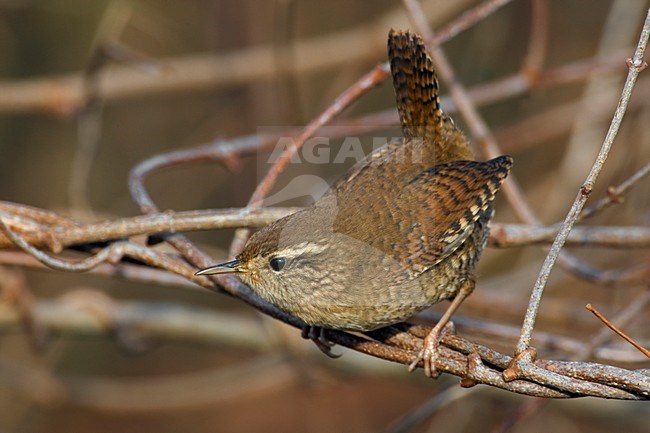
[111, 254]
[344, 100]
[543, 340]
[129, 271]
[450, 363]
[397, 346]
[469, 18]
[498, 90]
[538, 41]
[611, 326]
[56, 237]
[512, 235]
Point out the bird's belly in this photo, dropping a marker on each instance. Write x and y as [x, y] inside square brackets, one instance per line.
[371, 309]
[375, 301]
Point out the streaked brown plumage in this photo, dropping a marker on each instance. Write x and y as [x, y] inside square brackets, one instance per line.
[402, 230]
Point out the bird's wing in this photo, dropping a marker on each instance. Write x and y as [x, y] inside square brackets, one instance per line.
[445, 203]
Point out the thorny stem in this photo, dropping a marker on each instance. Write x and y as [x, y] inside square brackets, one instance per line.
[636, 65]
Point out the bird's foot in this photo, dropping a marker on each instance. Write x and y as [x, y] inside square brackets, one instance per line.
[317, 335]
[429, 353]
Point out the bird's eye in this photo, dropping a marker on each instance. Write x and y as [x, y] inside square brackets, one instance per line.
[277, 263]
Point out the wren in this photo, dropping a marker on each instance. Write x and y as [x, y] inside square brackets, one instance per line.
[402, 230]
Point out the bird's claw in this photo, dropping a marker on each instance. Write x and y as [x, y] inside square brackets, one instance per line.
[317, 335]
[428, 355]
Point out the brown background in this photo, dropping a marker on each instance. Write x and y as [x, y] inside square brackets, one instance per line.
[303, 391]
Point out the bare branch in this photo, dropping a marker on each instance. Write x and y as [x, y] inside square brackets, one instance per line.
[635, 66]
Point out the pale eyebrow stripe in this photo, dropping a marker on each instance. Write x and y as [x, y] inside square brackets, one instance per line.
[302, 248]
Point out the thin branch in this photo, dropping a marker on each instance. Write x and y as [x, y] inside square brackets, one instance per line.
[635, 66]
[538, 41]
[615, 194]
[56, 238]
[111, 254]
[514, 235]
[125, 270]
[227, 151]
[165, 222]
[611, 326]
[466, 20]
[591, 347]
[344, 100]
[544, 340]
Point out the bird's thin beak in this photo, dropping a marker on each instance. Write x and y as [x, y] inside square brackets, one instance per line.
[222, 268]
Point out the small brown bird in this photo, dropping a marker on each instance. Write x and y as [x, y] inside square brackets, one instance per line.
[402, 230]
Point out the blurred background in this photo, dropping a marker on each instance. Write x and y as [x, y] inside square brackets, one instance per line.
[90, 89]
